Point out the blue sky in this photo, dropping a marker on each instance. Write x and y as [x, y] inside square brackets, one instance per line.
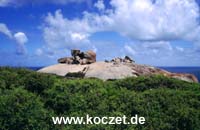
[153, 32]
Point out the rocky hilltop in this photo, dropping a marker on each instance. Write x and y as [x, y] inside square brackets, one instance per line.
[83, 64]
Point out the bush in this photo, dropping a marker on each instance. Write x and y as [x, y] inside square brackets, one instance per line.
[9, 78]
[21, 110]
[143, 83]
[57, 99]
[36, 82]
[28, 101]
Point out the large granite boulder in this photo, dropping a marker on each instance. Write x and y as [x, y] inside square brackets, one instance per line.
[79, 57]
[90, 56]
[84, 64]
[67, 60]
[113, 70]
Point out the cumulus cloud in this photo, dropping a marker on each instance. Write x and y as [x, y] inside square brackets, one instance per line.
[156, 53]
[141, 19]
[159, 20]
[4, 3]
[153, 49]
[130, 50]
[180, 49]
[4, 29]
[100, 5]
[153, 24]
[61, 33]
[21, 39]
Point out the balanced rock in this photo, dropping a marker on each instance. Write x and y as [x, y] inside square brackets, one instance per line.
[79, 57]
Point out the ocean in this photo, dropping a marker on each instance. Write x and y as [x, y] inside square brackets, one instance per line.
[190, 70]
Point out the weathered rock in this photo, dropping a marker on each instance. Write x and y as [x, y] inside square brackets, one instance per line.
[84, 62]
[111, 70]
[117, 60]
[127, 59]
[185, 77]
[75, 53]
[90, 56]
[120, 60]
[79, 57]
[67, 60]
[117, 68]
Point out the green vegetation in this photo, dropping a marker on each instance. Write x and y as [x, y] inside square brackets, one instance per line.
[29, 99]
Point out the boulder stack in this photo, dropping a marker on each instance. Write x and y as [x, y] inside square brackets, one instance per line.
[79, 57]
[117, 60]
[80, 64]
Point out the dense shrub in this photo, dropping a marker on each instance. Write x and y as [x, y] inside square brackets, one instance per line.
[57, 99]
[21, 110]
[28, 101]
[37, 82]
[30, 80]
[143, 83]
[9, 78]
[2, 84]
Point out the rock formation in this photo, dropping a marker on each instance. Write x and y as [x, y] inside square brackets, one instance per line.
[84, 64]
[117, 60]
[79, 57]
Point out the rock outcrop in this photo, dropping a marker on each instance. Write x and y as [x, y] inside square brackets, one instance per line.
[84, 64]
[117, 60]
[79, 57]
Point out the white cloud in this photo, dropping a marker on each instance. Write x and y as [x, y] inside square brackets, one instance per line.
[140, 20]
[154, 53]
[5, 30]
[4, 3]
[154, 24]
[153, 49]
[162, 20]
[77, 37]
[100, 5]
[157, 45]
[60, 33]
[130, 50]
[107, 50]
[21, 39]
[180, 49]
[162, 54]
